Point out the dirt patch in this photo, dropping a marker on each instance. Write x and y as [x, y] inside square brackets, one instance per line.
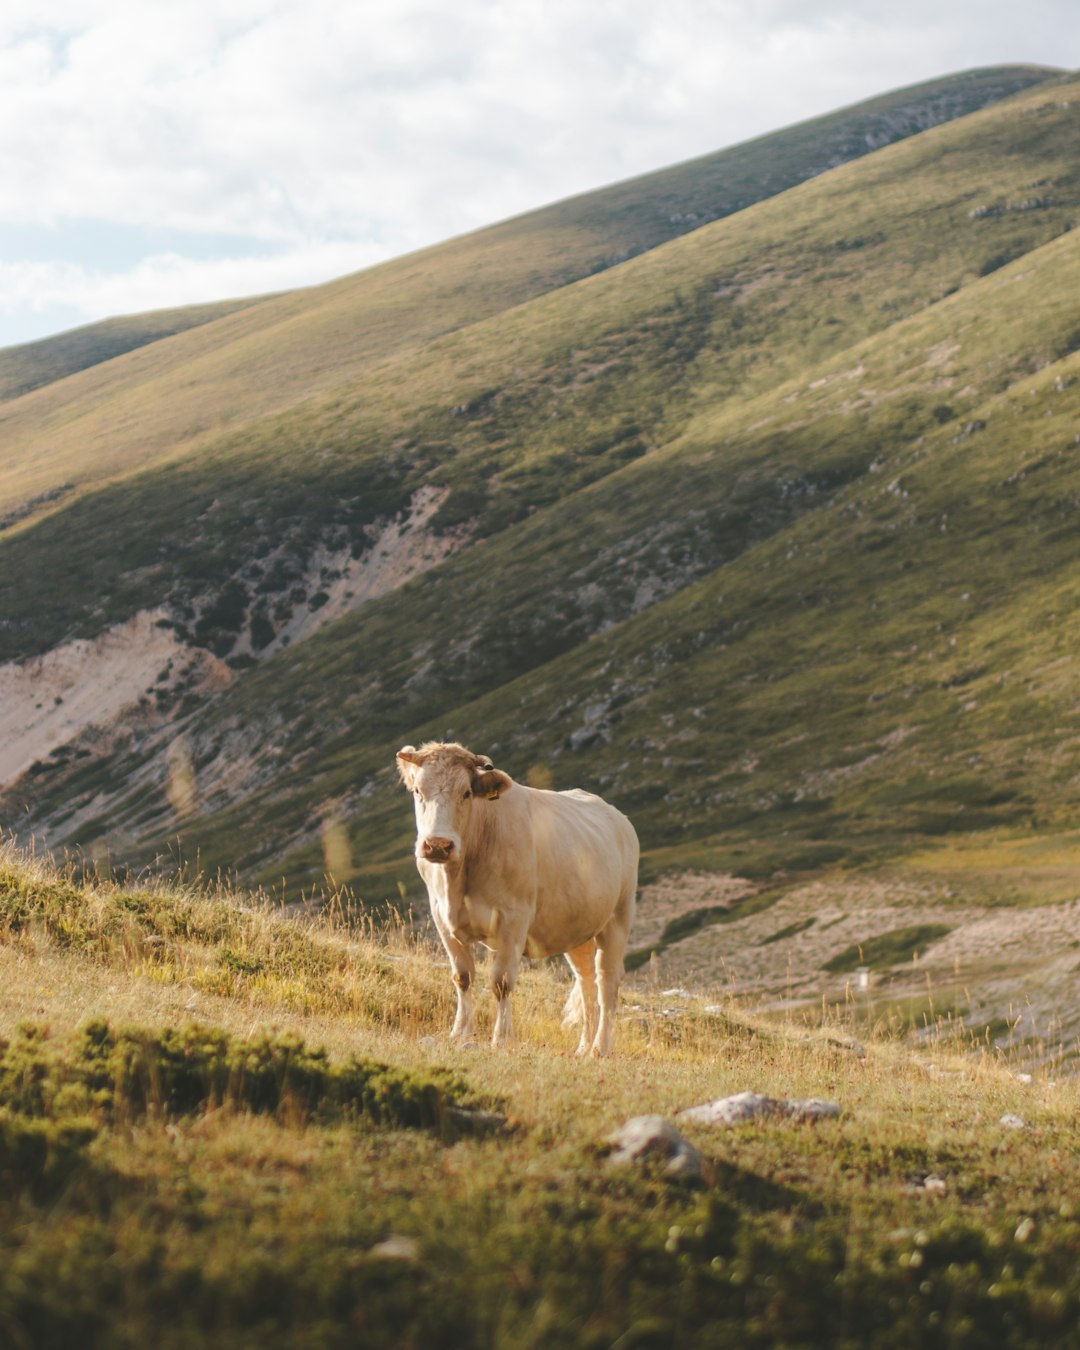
[996, 964]
[671, 897]
[399, 550]
[52, 700]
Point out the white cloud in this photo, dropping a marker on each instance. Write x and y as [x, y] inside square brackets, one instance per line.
[382, 125]
[164, 280]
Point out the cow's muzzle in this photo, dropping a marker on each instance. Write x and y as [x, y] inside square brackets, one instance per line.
[436, 849]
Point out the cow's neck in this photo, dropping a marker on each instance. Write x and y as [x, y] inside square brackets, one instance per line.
[453, 881]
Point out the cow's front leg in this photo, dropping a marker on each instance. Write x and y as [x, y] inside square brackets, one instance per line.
[463, 973]
[465, 1018]
[509, 944]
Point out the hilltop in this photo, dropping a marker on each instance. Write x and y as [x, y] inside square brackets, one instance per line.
[741, 493]
[216, 1121]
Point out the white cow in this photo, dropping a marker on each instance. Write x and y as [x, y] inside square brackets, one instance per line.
[523, 871]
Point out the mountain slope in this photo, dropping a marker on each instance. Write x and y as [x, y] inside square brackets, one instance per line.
[33, 364]
[615, 362]
[670, 497]
[759, 702]
[176, 394]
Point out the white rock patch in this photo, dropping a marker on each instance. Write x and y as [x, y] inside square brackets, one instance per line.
[400, 550]
[48, 700]
[745, 1106]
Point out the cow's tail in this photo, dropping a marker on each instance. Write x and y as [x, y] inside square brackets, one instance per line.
[573, 1013]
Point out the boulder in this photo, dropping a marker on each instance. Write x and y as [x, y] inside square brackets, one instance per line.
[647, 1137]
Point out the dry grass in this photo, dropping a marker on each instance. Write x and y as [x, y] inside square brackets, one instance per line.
[213, 1225]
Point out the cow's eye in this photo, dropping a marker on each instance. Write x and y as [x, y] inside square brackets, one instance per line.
[467, 794]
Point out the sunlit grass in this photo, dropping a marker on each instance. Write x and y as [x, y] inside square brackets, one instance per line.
[142, 1210]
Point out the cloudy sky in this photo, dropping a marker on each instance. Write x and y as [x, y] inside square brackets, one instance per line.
[162, 152]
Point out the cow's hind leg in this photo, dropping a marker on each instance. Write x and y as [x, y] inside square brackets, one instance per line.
[582, 960]
[610, 946]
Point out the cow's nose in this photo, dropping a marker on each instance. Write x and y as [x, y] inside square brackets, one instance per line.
[437, 849]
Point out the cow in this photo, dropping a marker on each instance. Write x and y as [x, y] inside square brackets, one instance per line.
[523, 871]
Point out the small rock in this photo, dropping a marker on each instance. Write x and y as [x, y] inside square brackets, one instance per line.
[849, 1044]
[1024, 1229]
[429, 1042]
[929, 1185]
[396, 1249]
[1011, 1122]
[654, 1137]
[677, 992]
[731, 1110]
[463, 1120]
[745, 1106]
[1024, 1078]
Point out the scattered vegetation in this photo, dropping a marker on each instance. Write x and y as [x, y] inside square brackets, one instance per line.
[888, 949]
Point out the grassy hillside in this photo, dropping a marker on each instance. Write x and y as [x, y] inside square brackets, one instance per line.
[686, 568]
[217, 1123]
[700, 575]
[520, 410]
[170, 397]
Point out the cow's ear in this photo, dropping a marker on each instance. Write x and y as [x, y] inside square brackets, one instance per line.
[407, 760]
[492, 783]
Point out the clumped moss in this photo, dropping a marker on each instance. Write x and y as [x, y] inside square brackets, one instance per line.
[40, 1156]
[129, 1072]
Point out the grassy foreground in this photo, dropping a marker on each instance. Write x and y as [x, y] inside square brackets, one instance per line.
[219, 1125]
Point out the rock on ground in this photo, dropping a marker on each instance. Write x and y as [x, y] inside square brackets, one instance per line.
[745, 1106]
[644, 1137]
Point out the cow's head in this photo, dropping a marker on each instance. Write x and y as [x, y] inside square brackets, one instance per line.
[445, 780]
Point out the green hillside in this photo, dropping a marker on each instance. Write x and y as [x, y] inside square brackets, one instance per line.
[219, 1125]
[759, 531]
[172, 396]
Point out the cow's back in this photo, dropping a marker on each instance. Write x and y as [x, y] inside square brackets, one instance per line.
[582, 857]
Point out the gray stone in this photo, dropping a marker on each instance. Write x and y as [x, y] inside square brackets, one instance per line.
[744, 1106]
[396, 1249]
[646, 1137]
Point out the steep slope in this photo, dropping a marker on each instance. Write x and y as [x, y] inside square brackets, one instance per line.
[519, 410]
[709, 627]
[174, 395]
[870, 658]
